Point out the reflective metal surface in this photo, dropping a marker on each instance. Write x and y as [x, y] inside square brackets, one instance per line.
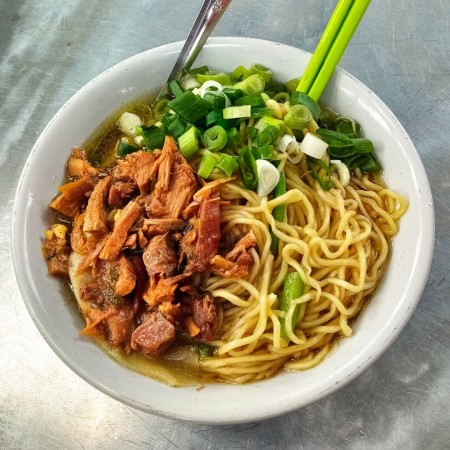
[49, 49]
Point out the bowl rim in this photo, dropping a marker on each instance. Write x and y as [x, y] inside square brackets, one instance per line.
[375, 352]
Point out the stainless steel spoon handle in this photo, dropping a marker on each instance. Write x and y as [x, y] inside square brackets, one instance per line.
[210, 13]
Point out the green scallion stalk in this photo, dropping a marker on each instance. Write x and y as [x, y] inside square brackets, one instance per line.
[237, 112]
[279, 212]
[188, 143]
[339, 44]
[298, 117]
[254, 84]
[293, 288]
[323, 47]
[207, 164]
[215, 138]
[227, 164]
[189, 106]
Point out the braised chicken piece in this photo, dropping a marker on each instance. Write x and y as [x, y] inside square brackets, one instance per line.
[78, 166]
[201, 243]
[237, 263]
[160, 257]
[175, 185]
[73, 195]
[122, 225]
[95, 214]
[154, 334]
[56, 250]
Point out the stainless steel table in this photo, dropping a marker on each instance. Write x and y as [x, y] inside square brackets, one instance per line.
[51, 48]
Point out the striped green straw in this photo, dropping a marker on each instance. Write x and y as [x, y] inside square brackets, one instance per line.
[338, 32]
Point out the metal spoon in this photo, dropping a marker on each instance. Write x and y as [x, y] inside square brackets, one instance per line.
[210, 13]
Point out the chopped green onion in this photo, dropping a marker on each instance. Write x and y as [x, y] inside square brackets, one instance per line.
[264, 72]
[234, 137]
[125, 149]
[197, 70]
[237, 112]
[282, 97]
[263, 152]
[215, 117]
[298, 117]
[262, 112]
[300, 98]
[227, 164]
[254, 84]
[268, 135]
[268, 177]
[252, 133]
[248, 169]
[221, 78]
[348, 126]
[205, 350]
[232, 93]
[175, 88]
[370, 164]
[252, 100]
[238, 74]
[188, 143]
[215, 138]
[176, 127]
[291, 85]
[267, 121]
[207, 164]
[189, 106]
[273, 87]
[279, 212]
[161, 108]
[214, 100]
[153, 136]
[321, 172]
[312, 145]
[293, 288]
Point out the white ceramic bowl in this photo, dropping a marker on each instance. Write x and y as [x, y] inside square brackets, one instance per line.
[375, 329]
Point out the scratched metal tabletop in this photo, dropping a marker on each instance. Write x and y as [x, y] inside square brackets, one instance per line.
[51, 48]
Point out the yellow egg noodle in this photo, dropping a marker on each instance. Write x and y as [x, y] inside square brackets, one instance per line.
[338, 241]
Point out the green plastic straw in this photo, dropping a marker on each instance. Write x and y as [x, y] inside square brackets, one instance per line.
[323, 47]
[339, 44]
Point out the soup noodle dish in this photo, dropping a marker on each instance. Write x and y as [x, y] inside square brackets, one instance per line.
[233, 244]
